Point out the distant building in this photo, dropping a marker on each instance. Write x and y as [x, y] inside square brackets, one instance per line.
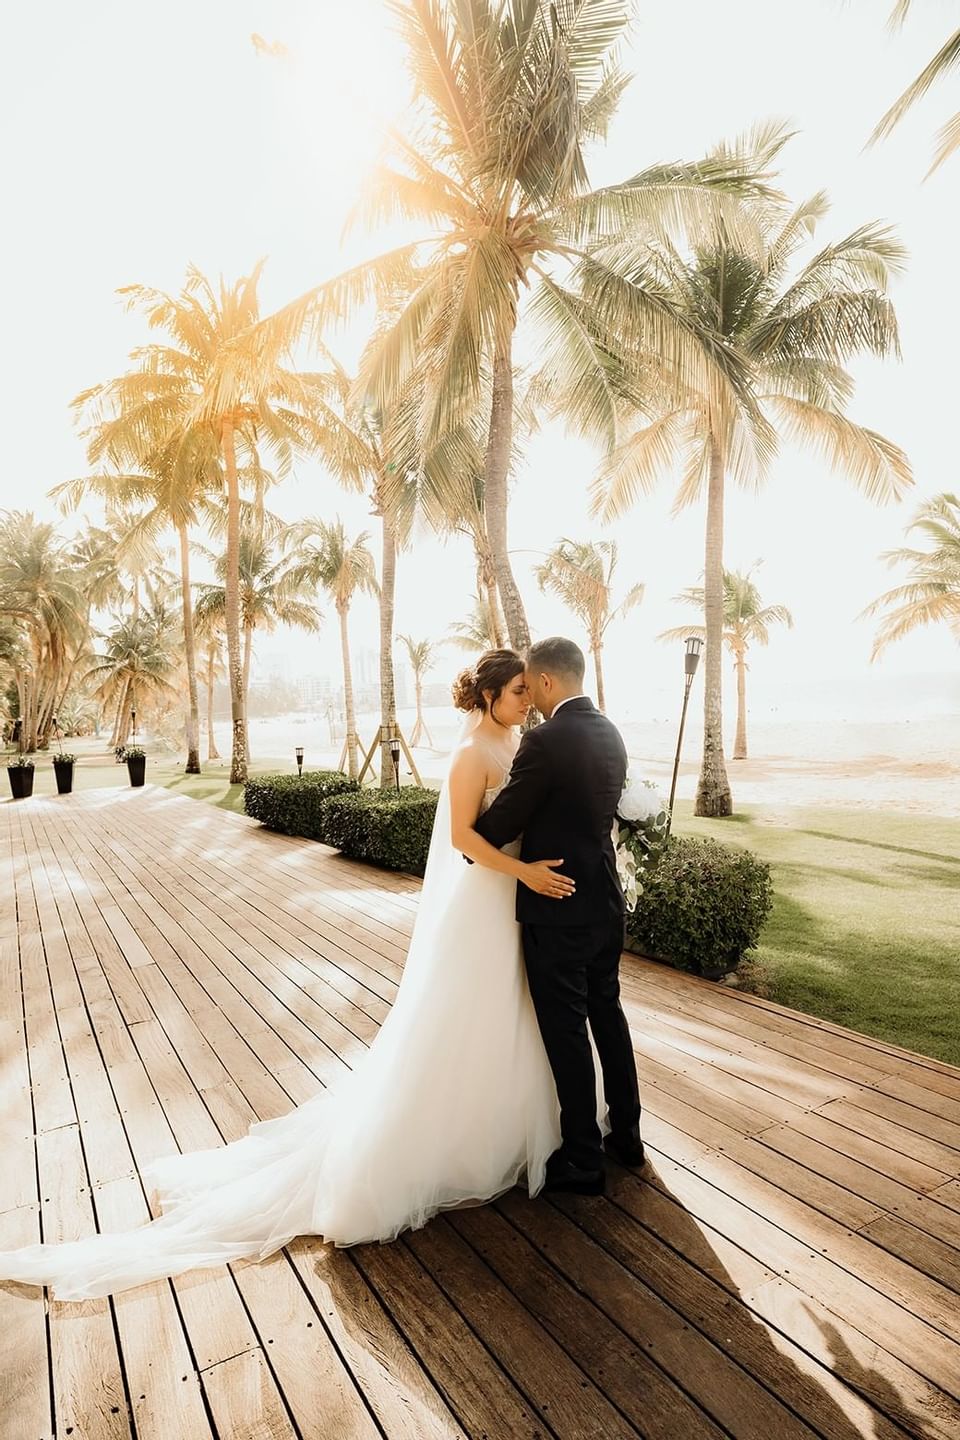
[315, 690]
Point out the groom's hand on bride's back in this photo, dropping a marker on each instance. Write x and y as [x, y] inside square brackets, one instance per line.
[540, 876]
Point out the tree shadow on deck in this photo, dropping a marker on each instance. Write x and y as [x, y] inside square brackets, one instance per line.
[625, 1315]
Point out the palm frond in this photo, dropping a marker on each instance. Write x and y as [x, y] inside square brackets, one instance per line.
[871, 462]
[945, 60]
[635, 466]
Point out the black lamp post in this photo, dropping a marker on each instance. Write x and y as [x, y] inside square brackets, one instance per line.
[691, 660]
[133, 723]
[299, 754]
[395, 757]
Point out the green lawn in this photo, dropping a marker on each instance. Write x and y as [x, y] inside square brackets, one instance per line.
[865, 929]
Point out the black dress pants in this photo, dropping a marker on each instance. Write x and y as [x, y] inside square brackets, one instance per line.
[575, 981]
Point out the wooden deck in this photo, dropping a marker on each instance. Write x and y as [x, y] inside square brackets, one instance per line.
[787, 1266]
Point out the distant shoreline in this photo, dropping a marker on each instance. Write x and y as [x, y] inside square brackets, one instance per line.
[906, 767]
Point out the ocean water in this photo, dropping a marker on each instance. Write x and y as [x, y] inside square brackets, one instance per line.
[907, 764]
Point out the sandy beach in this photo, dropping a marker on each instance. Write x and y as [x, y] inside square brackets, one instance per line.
[905, 766]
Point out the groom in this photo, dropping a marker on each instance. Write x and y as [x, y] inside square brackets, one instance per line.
[562, 796]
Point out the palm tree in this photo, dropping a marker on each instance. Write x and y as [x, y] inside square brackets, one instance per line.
[138, 663]
[509, 93]
[210, 638]
[269, 595]
[795, 332]
[175, 485]
[367, 450]
[422, 655]
[746, 622]
[213, 671]
[328, 560]
[479, 631]
[39, 594]
[581, 574]
[945, 60]
[931, 595]
[221, 383]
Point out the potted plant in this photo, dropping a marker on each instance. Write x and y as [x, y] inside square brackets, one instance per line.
[63, 769]
[136, 758]
[21, 777]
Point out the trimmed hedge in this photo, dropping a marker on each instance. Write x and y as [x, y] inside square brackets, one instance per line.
[389, 828]
[703, 904]
[294, 804]
[702, 908]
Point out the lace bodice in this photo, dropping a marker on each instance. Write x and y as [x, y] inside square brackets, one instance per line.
[490, 794]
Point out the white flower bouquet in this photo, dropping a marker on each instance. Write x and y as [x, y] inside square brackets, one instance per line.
[640, 834]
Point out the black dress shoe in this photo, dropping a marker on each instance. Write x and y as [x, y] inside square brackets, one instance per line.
[574, 1181]
[628, 1150]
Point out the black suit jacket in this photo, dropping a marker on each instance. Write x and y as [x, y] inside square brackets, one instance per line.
[562, 796]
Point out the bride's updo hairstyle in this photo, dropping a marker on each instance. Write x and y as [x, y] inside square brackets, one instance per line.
[492, 672]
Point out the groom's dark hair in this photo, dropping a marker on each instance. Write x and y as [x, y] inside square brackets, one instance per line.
[557, 656]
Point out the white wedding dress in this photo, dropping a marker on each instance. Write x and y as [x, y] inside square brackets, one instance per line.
[453, 1104]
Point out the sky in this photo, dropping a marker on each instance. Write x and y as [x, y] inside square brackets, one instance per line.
[140, 139]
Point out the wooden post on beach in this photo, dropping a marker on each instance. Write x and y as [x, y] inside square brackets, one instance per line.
[383, 737]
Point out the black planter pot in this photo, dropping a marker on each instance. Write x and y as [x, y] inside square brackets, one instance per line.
[137, 768]
[63, 770]
[21, 781]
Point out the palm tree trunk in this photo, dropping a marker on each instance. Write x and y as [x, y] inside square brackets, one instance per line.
[247, 657]
[212, 752]
[28, 738]
[419, 726]
[190, 655]
[487, 587]
[238, 760]
[740, 743]
[388, 688]
[597, 648]
[496, 466]
[118, 718]
[33, 699]
[713, 789]
[353, 759]
[496, 616]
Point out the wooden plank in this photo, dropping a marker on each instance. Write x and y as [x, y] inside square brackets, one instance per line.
[321, 1393]
[678, 1252]
[475, 1387]
[165, 1394]
[865, 1182]
[328, 887]
[660, 1372]
[711, 1022]
[751, 1152]
[922, 1345]
[244, 1400]
[780, 1367]
[559, 1389]
[88, 1385]
[399, 1392]
[920, 1068]
[925, 1253]
[901, 1088]
[717, 1350]
[25, 1374]
[334, 944]
[930, 1153]
[887, 1274]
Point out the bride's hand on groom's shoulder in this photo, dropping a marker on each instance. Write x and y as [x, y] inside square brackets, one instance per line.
[540, 876]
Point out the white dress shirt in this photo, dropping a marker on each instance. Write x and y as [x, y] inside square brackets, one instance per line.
[559, 706]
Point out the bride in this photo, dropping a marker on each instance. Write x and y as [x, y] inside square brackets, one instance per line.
[453, 1104]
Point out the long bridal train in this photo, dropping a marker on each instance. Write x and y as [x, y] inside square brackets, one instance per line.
[453, 1104]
